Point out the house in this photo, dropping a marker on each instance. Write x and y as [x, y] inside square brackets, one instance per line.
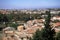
[55, 18]
[29, 23]
[56, 26]
[8, 31]
[20, 28]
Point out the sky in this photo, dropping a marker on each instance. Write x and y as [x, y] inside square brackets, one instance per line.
[21, 4]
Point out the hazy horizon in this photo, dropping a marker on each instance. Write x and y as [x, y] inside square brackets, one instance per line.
[26, 4]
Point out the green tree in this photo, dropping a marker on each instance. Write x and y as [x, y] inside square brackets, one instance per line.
[37, 35]
[14, 25]
[10, 17]
[48, 33]
[1, 17]
[5, 19]
[58, 36]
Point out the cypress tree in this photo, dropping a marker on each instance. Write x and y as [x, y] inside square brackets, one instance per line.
[48, 33]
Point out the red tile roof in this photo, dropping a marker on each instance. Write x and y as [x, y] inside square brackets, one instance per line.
[57, 24]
